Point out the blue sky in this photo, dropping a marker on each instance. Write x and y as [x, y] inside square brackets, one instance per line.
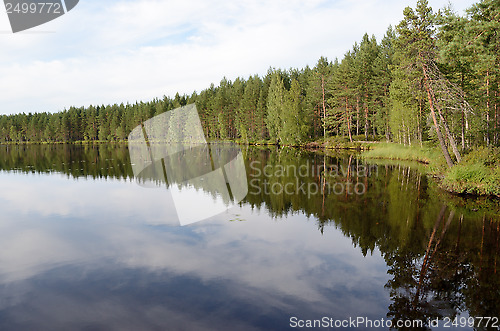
[117, 51]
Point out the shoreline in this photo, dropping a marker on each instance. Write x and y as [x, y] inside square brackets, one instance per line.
[478, 175]
[473, 177]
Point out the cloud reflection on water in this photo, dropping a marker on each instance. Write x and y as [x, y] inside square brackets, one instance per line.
[91, 233]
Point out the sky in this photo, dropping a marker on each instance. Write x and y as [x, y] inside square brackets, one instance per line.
[114, 51]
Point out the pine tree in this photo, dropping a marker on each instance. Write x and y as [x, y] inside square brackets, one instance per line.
[382, 71]
[416, 42]
[455, 60]
[275, 101]
[318, 93]
[294, 122]
[365, 58]
[484, 42]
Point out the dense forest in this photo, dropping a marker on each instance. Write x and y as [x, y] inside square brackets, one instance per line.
[434, 77]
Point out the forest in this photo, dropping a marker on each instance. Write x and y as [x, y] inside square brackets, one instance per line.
[434, 77]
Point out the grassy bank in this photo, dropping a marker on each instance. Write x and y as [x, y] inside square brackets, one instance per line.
[343, 143]
[477, 174]
[423, 154]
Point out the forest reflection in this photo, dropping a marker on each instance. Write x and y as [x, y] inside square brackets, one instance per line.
[442, 252]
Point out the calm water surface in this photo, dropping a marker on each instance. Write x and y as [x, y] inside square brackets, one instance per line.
[84, 247]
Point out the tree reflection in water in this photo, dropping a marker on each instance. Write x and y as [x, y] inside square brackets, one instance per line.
[441, 252]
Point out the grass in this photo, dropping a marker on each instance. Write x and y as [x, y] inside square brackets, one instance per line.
[339, 142]
[477, 174]
[394, 151]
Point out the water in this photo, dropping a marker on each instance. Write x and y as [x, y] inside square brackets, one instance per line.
[83, 246]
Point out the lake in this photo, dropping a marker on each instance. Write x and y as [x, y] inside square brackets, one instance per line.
[319, 240]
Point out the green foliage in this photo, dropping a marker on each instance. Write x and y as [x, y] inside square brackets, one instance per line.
[478, 174]
[286, 119]
[275, 104]
[405, 118]
[295, 122]
[414, 51]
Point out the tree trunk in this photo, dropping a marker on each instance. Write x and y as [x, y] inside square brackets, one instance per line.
[463, 129]
[366, 112]
[463, 114]
[496, 118]
[357, 115]
[487, 136]
[449, 135]
[324, 105]
[419, 133]
[387, 128]
[348, 119]
[444, 149]
[445, 126]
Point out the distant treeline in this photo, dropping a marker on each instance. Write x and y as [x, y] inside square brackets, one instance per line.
[434, 77]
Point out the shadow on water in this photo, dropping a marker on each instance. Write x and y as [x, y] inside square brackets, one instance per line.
[442, 252]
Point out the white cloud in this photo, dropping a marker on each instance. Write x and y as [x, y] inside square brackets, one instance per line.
[54, 221]
[123, 51]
